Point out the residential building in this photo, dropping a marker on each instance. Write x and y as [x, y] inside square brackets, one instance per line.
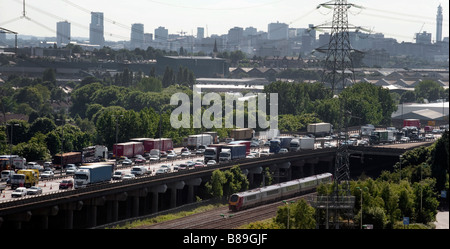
[62, 33]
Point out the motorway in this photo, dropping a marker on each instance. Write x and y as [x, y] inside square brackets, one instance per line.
[51, 185]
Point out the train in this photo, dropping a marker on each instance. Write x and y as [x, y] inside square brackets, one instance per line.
[256, 197]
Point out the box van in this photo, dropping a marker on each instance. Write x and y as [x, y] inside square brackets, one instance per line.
[138, 170]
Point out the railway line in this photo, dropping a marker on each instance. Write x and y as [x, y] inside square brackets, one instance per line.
[222, 218]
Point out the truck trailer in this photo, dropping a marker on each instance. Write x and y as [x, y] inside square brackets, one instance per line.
[232, 152]
[242, 134]
[93, 173]
[320, 129]
[59, 160]
[303, 143]
[194, 141]
[379, 137]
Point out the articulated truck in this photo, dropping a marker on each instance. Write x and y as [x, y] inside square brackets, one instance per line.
[93, 173]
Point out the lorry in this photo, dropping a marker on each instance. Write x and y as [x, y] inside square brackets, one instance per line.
[411, 122]
[302, 143]
[212, 152]
[194, 141]
[59, 160]
[93, 173]
[242, 134]
[25, 178]
[232, 152]
[101, 151]
[128, 149]
[367, 130]
[319, 129]
[243, 142]
[280, 142]
[385, 136]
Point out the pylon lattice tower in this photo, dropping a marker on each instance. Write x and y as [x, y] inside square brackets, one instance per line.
[337, 70]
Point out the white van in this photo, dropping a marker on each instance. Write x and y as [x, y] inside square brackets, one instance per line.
[138, 170]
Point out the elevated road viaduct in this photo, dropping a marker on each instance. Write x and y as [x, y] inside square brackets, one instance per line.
[119, 200]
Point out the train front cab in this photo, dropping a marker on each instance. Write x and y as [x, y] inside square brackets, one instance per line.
[235, 202]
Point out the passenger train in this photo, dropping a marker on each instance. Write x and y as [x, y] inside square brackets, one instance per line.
[255, 197]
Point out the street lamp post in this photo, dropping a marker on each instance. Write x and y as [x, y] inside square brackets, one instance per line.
[361, 190]
[288, 215]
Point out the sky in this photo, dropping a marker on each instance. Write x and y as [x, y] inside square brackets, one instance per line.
[398, 19]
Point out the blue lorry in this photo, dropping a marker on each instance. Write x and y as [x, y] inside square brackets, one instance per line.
[93, 173]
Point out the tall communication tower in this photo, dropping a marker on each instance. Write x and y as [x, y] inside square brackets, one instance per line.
[337, 71]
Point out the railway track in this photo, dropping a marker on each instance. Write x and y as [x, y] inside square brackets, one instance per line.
[222, 218]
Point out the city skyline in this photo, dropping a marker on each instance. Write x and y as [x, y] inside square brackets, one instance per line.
[216, 16]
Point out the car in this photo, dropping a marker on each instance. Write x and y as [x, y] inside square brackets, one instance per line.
[429, 136]
[162, 154]
[211, 162]
[34, 190]
[160, 171]
[128, 177]
[264, 153]
[71, 170]
[186, 153]
[139, 160]
[250, 156]
[66, 184]
[164, 166]
[199, 165]
[154, 157]
[405, 139]
[19, 192]
[175, 167]
[183, 166]
[118, 175]
[171, 155]
[363, 143]
[267, 143]
[283, 150]
[47, 174]
[254, 153]
[127, 162]
[356, 136]
[200, 151]
[437, 131]
[190, 164]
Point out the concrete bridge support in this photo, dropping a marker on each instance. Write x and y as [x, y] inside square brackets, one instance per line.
[44, 213]
[112, 212]
[69, 208]
[155, 192]
[136, 195]
[91, 206]
[191, 184]
[173, 192]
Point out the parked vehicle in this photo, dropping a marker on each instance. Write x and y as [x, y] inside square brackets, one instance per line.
[93, 173]
[66, 184]
[19, 192]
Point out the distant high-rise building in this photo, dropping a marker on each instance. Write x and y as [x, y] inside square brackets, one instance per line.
[423, 38]
[62, 33]
[96, 29]
[439, 24]
[137, 36]
[278, 31]
[235, 37]
[200, 32]
[161, 34]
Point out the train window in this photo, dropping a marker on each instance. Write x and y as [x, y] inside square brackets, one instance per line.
[251, 197]
[234, 198]
[272, 192]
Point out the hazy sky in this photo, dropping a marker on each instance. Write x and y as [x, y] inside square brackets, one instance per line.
[399, 19]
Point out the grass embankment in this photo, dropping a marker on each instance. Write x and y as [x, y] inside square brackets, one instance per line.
[162, 218]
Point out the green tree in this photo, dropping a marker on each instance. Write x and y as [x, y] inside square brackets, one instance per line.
[215, 185]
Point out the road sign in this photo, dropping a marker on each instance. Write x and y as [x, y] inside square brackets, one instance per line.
[405, 220]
